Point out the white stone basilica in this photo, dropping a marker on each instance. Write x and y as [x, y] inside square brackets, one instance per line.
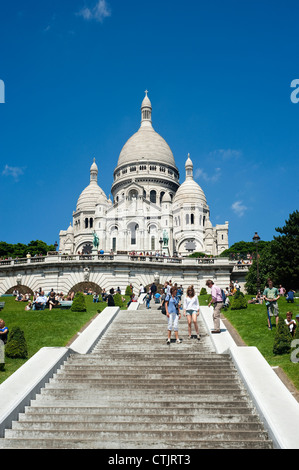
[150, 212]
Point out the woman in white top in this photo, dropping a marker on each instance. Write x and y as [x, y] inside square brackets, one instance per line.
[191, 309]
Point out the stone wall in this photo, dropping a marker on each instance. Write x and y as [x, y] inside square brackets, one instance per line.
[61, 273]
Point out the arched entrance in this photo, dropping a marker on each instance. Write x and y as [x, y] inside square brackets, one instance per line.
[85, 287]
[21, 289]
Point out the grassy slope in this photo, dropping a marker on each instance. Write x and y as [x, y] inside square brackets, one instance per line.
[251, 324]
[43, 328]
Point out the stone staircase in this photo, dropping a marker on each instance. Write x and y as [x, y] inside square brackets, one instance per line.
[136, 392]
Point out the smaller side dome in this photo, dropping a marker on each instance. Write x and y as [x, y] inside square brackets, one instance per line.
[70, 229]
[166, 197]
[189, 191]
[92, 194]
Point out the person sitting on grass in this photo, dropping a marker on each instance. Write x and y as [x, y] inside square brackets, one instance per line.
[41, 302]
[52, 302]
[29, 305]
[291, 323]
[290, 296]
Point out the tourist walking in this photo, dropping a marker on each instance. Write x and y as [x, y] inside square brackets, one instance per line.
[173, 314]
[110, 298]
[148, 299]
[217, 304]
[271, 295]
[191, 309]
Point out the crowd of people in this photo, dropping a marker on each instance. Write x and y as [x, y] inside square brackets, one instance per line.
[40, 300]
[169, 298]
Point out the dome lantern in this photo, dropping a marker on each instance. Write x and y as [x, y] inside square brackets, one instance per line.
[146, 111]
[189, 168]
[94, 172]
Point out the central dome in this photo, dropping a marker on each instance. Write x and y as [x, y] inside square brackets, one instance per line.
[146, 145]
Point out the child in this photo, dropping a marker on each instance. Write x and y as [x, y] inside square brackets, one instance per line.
[290, 323]
[147, 300]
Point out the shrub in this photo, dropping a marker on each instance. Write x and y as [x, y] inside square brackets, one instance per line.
[16, 346]
[79, 303]
[197, 254]
[203, 291]
[238, 301]
[128, 291]
[118, 300]
[283, 338]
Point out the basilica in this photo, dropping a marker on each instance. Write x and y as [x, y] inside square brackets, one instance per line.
[150, 211]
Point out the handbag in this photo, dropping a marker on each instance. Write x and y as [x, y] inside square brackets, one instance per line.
[163, 309]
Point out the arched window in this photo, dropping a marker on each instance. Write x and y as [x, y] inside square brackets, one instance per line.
[90, 222]
[192, 219]
[133, 194]
[187, 219]
[153, 196]
[161, 195]
[86, 222]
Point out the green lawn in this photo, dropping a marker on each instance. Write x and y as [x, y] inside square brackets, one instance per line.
[251, 324]
[44, 328]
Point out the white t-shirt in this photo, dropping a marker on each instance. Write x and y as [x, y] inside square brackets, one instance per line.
[191, 303]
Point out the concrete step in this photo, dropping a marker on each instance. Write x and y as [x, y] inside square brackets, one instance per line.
[155, 405]
[139, 416]
[126, 443]
[175, 435]
[130, 426]
[133, 391]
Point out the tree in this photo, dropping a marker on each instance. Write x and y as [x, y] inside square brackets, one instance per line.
[243, 248]
[267, 264]
[285, 250]
[20, 250]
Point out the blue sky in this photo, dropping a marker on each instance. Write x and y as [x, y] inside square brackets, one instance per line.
[219, 77]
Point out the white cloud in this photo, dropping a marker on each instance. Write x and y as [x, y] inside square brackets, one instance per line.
[226, 154]
[98, 13]
[239, 208]
[199, 173]
[13, 171]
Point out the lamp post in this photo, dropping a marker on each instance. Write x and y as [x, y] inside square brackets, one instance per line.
[56, 245]
[256, 239]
